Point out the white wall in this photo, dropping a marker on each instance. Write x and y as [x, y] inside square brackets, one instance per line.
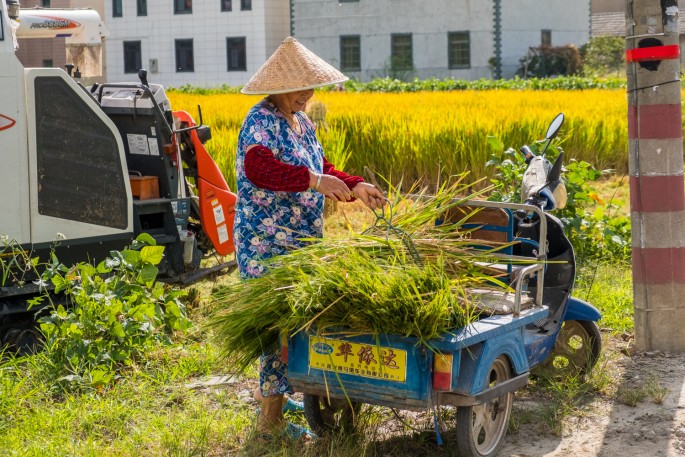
[318, 25]
[264, 27]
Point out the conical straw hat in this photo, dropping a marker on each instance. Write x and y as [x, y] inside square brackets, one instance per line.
[290, 68]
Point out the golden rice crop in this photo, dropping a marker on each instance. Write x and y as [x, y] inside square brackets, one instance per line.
[424, 135]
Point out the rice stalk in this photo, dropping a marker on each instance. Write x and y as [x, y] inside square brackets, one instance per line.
[367, 282]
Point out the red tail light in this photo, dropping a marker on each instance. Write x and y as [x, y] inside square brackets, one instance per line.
[442, 372]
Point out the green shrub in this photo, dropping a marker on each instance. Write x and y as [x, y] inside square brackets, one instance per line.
[116, 311]
[546, 61]
[404, 84]
[603, 56]
[588, 223]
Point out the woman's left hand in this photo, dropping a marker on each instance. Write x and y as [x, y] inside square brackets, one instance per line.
[369, 195]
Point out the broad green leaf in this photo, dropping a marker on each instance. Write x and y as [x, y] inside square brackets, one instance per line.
[117, 330]
[152, 254]
[59, 282]
[130, 256]
[147, 239]
[148, 274]
[495, 144]
[103, 267]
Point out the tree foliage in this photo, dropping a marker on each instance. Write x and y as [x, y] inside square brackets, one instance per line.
[603, 56]
[546, 61]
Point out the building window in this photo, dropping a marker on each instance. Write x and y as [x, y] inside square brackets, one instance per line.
[458, 50]
[236, 54]
[142, 7]
[117, 11]
[184, 56]
[133, 57]
[48, 63]
[226, 5]
[245, 5]
[401, 57]
[546, 38]
[348, 1]
[350, 53]
[183, 6]
[45, 3]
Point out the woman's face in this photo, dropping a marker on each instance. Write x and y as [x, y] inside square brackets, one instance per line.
[293, 101]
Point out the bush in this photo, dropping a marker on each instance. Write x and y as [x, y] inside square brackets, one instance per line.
[116, 312]
[546, 61]
[593, 232]
[389, 84]
[603, 56]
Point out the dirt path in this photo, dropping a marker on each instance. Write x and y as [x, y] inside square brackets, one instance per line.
[610, 427]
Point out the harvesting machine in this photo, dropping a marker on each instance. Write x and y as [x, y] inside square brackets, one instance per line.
[87, 169]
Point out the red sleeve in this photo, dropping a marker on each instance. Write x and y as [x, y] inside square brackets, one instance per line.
[349, 180]
[266, 171]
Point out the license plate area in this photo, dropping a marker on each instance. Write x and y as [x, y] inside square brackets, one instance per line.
[358, 359]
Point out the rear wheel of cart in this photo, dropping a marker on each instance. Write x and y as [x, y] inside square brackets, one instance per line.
[576, 351]
[481, 428]
[326, 415]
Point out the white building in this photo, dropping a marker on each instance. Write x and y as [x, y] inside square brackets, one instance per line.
[204, 43]
[213, 42]
[464, 39]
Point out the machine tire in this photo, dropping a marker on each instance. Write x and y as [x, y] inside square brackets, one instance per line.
[330, 415]
[481, 428]
[23, 341]
[576, 351]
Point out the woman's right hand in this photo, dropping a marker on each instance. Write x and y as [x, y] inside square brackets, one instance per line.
[330, 186]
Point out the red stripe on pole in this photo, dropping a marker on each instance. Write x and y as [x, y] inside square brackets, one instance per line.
[659, 265]
[654, 122]
[657, 194]
[671, 51]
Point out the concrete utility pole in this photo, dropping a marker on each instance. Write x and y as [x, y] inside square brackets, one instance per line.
[657, 189]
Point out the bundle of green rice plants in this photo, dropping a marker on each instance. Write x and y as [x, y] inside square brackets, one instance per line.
[408, 275]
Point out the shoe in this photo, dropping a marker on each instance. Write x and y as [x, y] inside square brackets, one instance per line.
[293, 406]
[291, 432]
[296, 432]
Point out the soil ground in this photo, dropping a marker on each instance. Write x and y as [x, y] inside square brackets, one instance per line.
[608, 426]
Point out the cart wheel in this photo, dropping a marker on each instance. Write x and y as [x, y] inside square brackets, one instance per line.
[575, 352]
[481, 428]
[326, 415]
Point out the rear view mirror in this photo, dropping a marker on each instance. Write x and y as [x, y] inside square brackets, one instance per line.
[554, 127]
[553, 131]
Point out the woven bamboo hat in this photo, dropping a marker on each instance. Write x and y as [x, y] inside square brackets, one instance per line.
[290, 68]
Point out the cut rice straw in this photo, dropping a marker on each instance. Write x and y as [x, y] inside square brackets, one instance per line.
[364, 282]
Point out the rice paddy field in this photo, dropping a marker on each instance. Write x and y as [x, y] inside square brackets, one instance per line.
[424, 136]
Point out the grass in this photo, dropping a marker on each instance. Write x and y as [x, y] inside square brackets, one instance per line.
[149, 412]
[609, 287]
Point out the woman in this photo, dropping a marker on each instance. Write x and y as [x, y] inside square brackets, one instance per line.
[283, 178]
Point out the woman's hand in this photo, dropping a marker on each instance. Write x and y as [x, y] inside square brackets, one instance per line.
[330, 186]
[369, 194]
